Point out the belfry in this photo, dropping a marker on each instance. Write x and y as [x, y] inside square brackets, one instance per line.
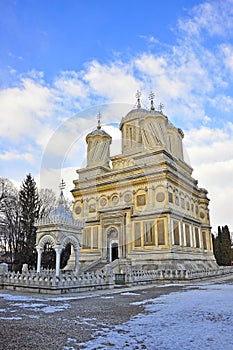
[142, 208]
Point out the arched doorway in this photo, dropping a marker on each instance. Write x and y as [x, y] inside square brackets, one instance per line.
[112, 244]
[114, 251]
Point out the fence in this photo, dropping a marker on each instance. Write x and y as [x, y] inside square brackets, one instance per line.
[47, 281]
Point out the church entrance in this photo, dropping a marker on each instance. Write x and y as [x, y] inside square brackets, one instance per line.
[114, 251]
[112, 244]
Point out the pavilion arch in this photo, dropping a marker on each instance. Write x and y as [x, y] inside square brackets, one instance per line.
[59, 240]
[70, 240]
[44, 240]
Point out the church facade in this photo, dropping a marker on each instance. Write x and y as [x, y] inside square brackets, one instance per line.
[142, 207]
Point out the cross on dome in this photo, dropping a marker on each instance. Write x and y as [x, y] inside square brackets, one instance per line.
[138, 95]
[161, 107]
[151, 98]
[62, 185]
[98, 119]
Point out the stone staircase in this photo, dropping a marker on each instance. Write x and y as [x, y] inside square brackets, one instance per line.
[94, 266]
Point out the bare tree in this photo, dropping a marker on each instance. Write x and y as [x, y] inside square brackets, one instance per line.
[9, 217]
[47, 201]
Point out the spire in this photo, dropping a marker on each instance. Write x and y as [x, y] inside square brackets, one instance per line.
[138, 95]
[151, 98]
[98, 118]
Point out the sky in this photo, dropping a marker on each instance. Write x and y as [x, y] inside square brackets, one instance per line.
[63, 61]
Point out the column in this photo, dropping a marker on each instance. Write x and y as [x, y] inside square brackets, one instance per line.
[194, 237]
[191, 235]
[200, 237]
[172, 232]
[184, 236]
[39, 253]
[58, 258]
[180, 234]
[76, 260]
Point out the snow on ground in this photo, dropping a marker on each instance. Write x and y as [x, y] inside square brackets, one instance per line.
[193, 319]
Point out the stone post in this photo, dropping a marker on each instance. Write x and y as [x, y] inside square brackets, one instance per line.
[39, 254]
[76, 260]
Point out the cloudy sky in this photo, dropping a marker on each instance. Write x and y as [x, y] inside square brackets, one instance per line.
[62, 61]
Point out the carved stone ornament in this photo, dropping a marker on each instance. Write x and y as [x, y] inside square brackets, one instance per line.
[103, 202]
[92, 208]
[141, 200]
[128, 197]
[160, 196]
[78, 209]
[115, 199]
[202, 215]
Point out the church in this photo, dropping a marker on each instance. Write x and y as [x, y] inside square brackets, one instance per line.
[142, 208]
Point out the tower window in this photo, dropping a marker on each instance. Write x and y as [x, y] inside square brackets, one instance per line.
[161, 232]
[95, 237]
[137, 232]
[197, 238]
[149, 234]
[170, 197]
[187, 236]
[176, 233]
[87, 238]
[204, 240]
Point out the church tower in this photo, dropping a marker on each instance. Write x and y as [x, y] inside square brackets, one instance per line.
[98, 152]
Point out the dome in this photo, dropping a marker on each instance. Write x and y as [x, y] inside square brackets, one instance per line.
[61, 212]
[138, 113]
[59, 215]
[99, 132]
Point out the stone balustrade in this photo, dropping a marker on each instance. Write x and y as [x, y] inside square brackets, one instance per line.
[47, 282]
[150, 276]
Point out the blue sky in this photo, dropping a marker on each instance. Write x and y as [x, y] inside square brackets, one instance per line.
[63, 61]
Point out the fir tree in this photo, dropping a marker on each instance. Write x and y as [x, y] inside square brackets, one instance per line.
[226, 246]
[222, 246]
[29, 205]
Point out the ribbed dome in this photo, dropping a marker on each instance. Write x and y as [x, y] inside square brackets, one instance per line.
[97, 131]
[61, 212]
[59, 215]
[138, 113]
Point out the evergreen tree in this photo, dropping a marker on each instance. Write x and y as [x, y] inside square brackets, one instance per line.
[29, 206]
[226, 246]
[222, 246]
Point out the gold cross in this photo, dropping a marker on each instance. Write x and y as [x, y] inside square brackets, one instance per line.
[151, 98]
[62, 185]
[98, 118]
[138, 95]
[161, 106]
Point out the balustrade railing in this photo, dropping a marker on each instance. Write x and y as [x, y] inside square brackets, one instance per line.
[47, 279]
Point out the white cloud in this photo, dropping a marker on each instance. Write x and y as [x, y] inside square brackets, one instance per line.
[227, 51]
[114, 82]
[211, 155]
[9, 156]
[23, 108]
[213, 17]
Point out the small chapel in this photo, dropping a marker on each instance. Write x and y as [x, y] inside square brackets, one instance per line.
[142, 208]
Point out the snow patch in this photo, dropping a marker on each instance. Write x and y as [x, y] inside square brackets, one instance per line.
[189, 319]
